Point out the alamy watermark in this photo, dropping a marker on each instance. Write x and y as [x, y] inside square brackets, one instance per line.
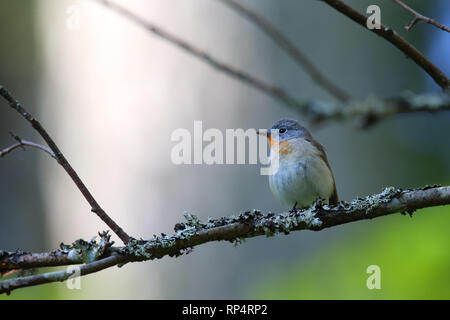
[74, 280]
[374, 280]
[73, 20]
[374, 20]
[228, 148]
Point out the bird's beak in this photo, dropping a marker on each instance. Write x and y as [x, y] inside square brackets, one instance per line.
[265, 133]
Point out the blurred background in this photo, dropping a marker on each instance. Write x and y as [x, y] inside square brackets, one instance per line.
[111, 94]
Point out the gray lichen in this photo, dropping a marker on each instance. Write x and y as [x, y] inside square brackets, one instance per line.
[179, 242]
[369, 203]
[87, 251]
[193, 231]
[233, 228]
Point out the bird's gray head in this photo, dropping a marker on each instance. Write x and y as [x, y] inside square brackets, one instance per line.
[289, 129]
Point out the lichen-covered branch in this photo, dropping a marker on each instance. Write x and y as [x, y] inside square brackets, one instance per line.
[395, 39]
[295, 53]
[58, 155]
[373, 109]
[191, 233]
[420, 17]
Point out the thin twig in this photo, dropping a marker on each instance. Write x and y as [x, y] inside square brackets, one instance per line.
[28, 144]
[62, 275]
[22, 143]
[95, 207]
[234, 229]
[390, 35]
[291, 49]
[419, 17]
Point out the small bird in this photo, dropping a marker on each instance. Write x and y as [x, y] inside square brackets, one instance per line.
[303, 174]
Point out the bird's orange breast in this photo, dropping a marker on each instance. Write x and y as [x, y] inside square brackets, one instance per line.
[284, 147]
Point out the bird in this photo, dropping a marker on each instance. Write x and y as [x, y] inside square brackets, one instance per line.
[304, 173]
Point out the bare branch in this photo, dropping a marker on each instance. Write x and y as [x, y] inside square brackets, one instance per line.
[291, 49]
[24, 143]
[261, 85]
[95, 207]
[390, 35]
[234, 229]
[419, 17]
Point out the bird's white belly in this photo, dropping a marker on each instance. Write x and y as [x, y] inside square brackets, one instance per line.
[302, 180]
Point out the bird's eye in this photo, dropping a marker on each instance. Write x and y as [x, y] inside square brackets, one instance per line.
[282, 130]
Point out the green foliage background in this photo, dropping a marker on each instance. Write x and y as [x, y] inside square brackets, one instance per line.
[413, 255]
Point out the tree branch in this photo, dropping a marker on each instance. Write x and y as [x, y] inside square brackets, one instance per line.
[298, 56]
[59, 276]
[22, 143]
[419, 17]
[390, 35]
[261, 85]
[99, 256]
[367, 111]
[95, 207]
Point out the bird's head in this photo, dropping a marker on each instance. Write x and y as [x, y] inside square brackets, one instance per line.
[287, 129]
